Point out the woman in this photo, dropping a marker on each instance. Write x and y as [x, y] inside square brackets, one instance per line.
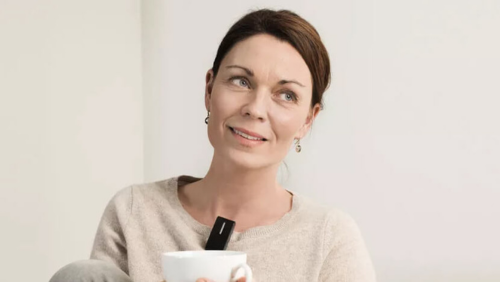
[262, 94]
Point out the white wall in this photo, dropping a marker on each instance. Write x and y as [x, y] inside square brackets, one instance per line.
[409, 140]
[71, 126]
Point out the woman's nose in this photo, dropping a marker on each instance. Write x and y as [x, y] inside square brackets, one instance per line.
[256, 105]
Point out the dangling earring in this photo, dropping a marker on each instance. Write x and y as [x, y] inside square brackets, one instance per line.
[298, 148]
[208, 115]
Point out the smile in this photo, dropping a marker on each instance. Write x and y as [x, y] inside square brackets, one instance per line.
[245, 135]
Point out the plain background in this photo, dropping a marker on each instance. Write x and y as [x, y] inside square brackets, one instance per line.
[408, 143]
[71, 121]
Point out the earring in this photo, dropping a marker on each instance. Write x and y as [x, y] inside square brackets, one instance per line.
[208, 115]
[298, 148]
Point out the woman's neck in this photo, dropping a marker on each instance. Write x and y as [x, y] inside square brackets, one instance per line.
[249, 197]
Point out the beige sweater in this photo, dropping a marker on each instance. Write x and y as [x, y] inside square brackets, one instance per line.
[310, 243]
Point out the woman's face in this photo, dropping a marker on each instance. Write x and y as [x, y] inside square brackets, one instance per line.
[259, 102]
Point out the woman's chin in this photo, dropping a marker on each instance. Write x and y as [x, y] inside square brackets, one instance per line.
[246, 160]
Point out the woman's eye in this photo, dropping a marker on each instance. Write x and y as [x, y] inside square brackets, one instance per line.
[287, 96]
[238, 81]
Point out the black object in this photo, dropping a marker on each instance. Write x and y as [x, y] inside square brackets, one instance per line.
[220, 234]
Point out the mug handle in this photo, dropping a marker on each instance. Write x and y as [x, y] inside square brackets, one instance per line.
[248, 272]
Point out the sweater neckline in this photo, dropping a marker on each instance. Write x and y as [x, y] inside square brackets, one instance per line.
[204, 230]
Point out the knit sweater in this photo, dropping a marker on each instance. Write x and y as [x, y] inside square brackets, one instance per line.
[309, 243]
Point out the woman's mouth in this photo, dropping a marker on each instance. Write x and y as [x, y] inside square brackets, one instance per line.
[248, 136]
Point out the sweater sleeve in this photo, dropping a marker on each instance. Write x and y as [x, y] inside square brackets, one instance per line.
[346, 256]
[110, 240]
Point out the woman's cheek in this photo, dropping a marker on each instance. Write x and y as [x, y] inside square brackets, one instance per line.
[286, 126]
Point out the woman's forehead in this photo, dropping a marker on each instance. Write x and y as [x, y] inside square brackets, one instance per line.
[267, 56]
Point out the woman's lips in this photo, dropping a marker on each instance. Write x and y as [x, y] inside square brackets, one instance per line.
[248, 132]
[243, 138]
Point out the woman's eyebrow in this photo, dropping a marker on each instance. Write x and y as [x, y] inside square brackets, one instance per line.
[248, 71]
[284, 81]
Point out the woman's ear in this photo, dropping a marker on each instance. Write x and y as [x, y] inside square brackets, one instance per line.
[313, 113]
[209, 82]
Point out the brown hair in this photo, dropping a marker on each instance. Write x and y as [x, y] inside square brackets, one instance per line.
[289, 27]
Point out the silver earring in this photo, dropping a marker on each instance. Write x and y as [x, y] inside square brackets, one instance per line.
[208, 115]
[298, 148]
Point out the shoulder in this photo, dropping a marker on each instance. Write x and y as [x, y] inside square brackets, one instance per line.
[331, 217]
[151, 196]
[344, 252]
[153, 189]
[165, 186]
[337, 226]
[124, 199]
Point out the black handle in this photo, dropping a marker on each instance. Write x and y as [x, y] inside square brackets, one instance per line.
[220, 234]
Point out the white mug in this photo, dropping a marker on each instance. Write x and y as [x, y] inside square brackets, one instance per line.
[219, 266]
